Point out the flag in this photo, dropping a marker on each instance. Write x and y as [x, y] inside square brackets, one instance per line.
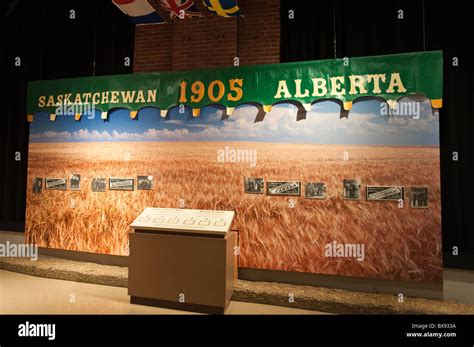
[139, 11]
[174, 7]
[223, 8]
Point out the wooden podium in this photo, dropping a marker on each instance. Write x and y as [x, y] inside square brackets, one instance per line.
[182, 259]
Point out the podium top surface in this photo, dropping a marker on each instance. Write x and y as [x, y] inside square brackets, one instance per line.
[184, 220]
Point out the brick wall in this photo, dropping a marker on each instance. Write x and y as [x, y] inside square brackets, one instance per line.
[152, 48]
[259, 32]
[204, 42]
[211, 40]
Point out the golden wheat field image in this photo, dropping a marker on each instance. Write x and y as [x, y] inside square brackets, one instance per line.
[401, 243]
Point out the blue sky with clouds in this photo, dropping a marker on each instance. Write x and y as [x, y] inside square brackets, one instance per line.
[365, 126]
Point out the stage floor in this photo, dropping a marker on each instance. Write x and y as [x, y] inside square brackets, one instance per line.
[112, 289]
[24, 294]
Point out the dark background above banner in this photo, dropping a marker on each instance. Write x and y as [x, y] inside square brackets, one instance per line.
[51, 46]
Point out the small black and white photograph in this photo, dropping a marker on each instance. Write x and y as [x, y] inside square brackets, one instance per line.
[254, 185]
[145, 182]
[351, 189]
[289, 188]
[75, 182]
[99, 184]
[37, 185]
[315, 191]
[55, 183]
[419, 197]
[384, 193]
[119, 183]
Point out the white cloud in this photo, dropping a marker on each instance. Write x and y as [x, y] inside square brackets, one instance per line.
[279, 124]
[165, 134]
[81, 134]
[175, 121]
[53, 135]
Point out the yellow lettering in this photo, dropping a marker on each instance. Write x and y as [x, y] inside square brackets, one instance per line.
[182, 96]
[235, 86]
[114, 97]
[197, 88]
[67, 98]
[319, 87]
[336, 85]
[210, 90]
[282, 89]
[105, 98]
[396, 81]
[376, 78]
[128, 96]
[140, 97]
[151, 96]
[298, 93]
[78, 99]
[357, 81]
[50, 101]
[87, 96]
[95, 98]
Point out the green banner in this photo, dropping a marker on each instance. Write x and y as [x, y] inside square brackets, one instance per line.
[388, 77]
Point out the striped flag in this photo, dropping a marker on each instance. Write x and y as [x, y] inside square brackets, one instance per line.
[223, 8]
[174, 7]
[139, 11]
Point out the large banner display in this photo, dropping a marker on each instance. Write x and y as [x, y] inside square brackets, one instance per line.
[330, 166]
[344, 80]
